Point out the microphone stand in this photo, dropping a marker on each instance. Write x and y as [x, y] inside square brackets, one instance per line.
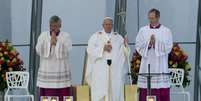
[109, 63]
[149, 81]
[149, 75]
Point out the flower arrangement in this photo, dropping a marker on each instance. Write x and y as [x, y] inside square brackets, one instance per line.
[9, 61]
[177, 59]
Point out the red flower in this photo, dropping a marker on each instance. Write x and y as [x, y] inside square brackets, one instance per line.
[9, 60]
[10, 63]
[1, 62]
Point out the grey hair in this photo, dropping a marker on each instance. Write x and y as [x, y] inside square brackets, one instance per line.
[55, 19]
[108, 18]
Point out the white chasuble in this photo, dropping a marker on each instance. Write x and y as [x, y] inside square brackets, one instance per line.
[54, 70]
[157, 57]
[106, 83]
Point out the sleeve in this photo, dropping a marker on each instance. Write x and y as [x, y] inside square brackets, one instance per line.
[43, 46]
[88, 72]
[94, 52]
[95, 48]
[142, 44]
[164, 47]
[63, 46]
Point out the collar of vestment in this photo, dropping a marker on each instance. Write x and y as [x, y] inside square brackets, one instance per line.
[103, 32]
[56, 33]
[105, 37]
[155, 27]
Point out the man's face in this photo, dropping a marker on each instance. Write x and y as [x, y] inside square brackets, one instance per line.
[153, 18]
[107, 25]
[55, 27]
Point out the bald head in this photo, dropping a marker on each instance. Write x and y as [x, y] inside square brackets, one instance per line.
[107, 24]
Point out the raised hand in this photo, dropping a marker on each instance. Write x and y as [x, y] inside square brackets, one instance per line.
[53, 38]
[126, 40]
[108, 47]
[152, 41]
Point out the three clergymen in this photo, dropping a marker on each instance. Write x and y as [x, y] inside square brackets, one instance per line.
[107, 60]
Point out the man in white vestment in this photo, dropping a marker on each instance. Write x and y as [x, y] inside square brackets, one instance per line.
[105, 47]
[154, 43]
[53, 47]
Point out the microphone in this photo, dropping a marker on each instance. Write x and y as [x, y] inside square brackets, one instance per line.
[109, 62]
